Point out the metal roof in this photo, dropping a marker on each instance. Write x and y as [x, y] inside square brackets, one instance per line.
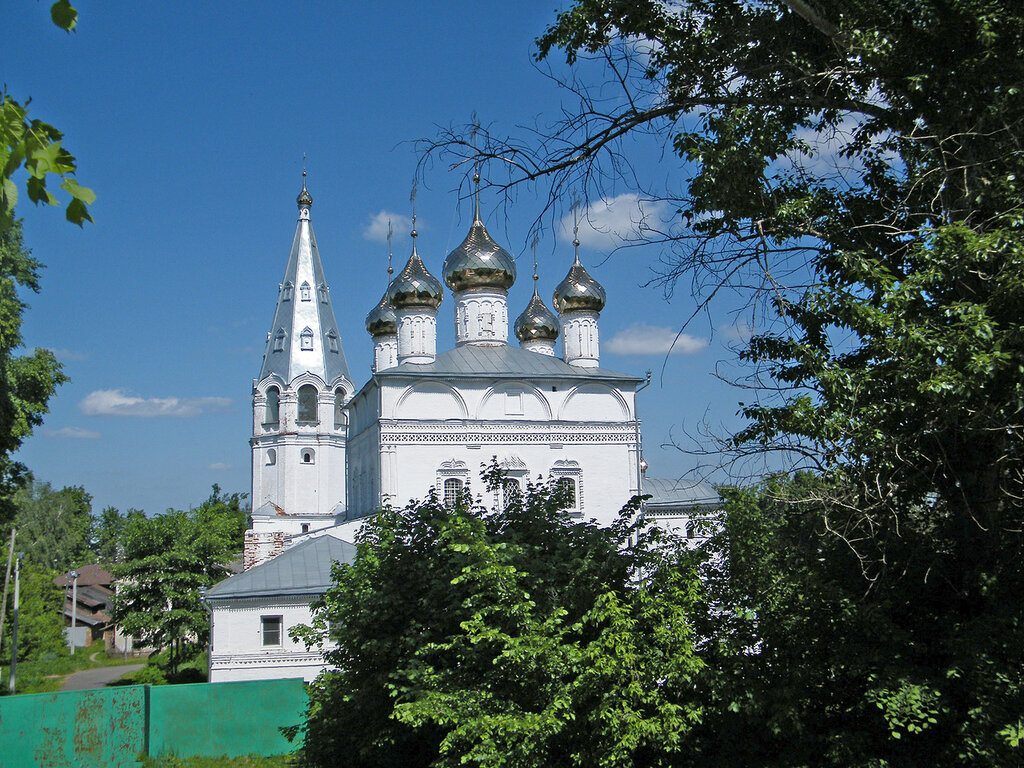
[297, 311]
[305, 569]
[679, 493]
[472, 361]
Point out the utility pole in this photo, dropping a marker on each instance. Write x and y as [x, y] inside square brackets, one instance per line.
[74, 606]
[14, 621]
[7, 583]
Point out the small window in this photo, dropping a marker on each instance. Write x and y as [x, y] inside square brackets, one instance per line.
[512, 492]
[306, 340]
[271, 457]
[272, 415]
[286, 292]
[513, 403]
[452, 492]
[568, 488]
[305, 292]
[279, 340]
[305, 527]
[307, 403]
[339, 408]
[324, 293]
[308, 456]
[332, 341]
[271, 627]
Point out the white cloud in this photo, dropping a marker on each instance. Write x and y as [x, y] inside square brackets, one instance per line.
[642, 339]
[377, 228]
[218, 465]
[117, 402]
[739, 331]
[68, 355]
[73, 433]
[611, 221]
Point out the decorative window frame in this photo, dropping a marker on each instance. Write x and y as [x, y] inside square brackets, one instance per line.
[279, 340]
[298, 404]
[307, 457]
[324, 293]
[513, 469]
[305, 291]
[453, 469]
[569, 469]
[286, 291]
[306, 339]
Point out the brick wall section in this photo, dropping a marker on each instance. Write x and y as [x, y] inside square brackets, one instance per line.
[261, 546]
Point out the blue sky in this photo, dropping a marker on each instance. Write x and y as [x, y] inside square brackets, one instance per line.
[190, 120]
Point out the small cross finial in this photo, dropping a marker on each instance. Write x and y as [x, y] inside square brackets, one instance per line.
[391, 270]
[576, 230]
[412, 201]
[536, 240]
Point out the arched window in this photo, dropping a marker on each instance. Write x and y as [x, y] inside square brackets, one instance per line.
[271, 457]
[306, 340]
[452, 492]
[304, 292]
[567, 486]
[339, 408]
[279, 340]
[308, 456]
[305, 527]
[512, 492]
[272, 415]
[307, 403]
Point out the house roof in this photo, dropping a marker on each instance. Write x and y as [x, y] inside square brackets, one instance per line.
[471, 361]
[305, 569]
[679, 493]
[88, 575]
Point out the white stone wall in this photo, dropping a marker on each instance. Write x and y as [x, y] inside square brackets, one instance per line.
[580, 339]
[417, 335]
[481, 317]
[236, 640]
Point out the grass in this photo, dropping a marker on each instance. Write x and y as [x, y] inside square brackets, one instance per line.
[47, 675]
[252, 761]
[156, 672]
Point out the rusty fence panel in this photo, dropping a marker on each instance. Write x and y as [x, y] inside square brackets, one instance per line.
[113, 727]
[74, 729]
[230, 719]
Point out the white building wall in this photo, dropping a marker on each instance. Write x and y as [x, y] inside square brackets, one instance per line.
[236, 640]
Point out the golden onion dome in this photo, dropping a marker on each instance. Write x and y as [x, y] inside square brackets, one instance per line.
[537, 322]
[304, 197]
[382, 320]
[415, 286]
[579, 291]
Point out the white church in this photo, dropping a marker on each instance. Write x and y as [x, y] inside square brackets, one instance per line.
[326, 455]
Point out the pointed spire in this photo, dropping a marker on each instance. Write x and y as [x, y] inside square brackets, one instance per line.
[305, 200]
[536, 240]
[576, 232]
[476, 198]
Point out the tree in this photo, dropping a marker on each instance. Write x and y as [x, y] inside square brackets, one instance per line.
[108, 534]
[40, 615]
[512, 638]
[37, 147]
[860, 162]
[54, 527]
[26, 381]
[167, 560]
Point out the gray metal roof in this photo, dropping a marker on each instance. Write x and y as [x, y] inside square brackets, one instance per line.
[679, 493]
[471, 361]
[294, 315]
[305, 569]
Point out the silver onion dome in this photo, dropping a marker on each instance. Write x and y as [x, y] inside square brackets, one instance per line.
[537, 322]
[579, 291]
[415, 286]
[382, 320]
[479, 262]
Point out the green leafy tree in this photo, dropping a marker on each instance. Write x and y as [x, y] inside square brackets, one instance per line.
[167, 560]
[108, 534]
[37, 147]
[54, 527]
[859, 163]
[40, 615]
[512, 638]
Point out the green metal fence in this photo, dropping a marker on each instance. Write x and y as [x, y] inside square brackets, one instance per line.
[112, 727]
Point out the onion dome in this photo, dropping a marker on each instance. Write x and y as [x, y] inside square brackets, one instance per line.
[382, 320]
[579, 290]
[479, 262]
[537, 322]
[304, 197]
[415, 286]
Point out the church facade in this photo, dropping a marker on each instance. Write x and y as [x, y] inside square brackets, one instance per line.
[326, 455]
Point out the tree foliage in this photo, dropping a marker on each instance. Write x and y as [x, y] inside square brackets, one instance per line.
[168, 558]
[54, 528]
[856, 168]
[511, 638]
[40, 615]
[37, 147]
